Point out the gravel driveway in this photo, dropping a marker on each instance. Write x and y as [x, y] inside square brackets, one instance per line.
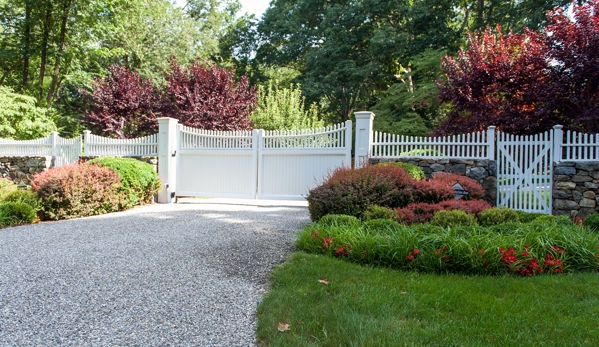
[161, 275]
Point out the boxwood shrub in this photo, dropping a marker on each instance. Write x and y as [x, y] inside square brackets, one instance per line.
[139, 180]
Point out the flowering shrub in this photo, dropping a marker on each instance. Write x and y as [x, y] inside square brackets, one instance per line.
[475, 190]
[77, 191]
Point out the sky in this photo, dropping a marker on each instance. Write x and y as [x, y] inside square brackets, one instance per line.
[256, 7]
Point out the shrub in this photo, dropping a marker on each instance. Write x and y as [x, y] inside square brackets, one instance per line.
[12, 213]
[432, 192]
[451, 218]
[527, 217]
[77, 191]
[6, 187]
[423, 212]
[412, 170]
[475, 190]
[497, 215]
[351, 192]
[378, 212]
[139, 180]
[25, 196]
[592, 222]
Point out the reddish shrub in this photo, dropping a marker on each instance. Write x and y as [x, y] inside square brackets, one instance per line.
[423, 212]
[77, 190]
[351, 192]
[432, 191]
[475, 190]
[474, 207]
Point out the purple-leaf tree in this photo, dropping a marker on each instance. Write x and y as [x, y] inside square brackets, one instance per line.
[208, 97]
[122, 105]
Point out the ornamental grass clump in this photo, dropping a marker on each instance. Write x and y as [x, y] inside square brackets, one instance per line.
[13, 213]
[522, 249]
[77, 190]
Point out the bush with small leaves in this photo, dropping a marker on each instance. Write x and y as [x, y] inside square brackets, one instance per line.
[139, 180]
[378, 212]
[527, 217]
[452, 218]
[497, 215]
[25, 196]
[412, 170]
[381, 226]
[475, 190]
[351, 192]
[77, 190]
[6, 187]
[591, 222]
[13, 213]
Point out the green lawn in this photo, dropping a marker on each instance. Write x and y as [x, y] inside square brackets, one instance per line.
[364, 306]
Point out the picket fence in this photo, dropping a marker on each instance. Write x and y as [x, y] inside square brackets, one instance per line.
[95, 145]
[65, 151]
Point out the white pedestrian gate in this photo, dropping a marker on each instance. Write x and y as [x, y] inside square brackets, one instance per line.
[524, 178]
[258, 164]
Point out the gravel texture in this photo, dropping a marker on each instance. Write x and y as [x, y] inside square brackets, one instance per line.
[161, 275]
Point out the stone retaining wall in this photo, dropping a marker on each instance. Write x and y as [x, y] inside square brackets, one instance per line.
[23, 168]
[575, 188]
[482, 170]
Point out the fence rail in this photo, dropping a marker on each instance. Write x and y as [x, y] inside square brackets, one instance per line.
[103, 146]
[580, 147]
[333, 136]
[477, 145]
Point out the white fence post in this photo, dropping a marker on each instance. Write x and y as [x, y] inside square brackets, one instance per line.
[491, 142]
[364, 122]
[167, 150]
[558, 139]
[54, 139]
[86, 136]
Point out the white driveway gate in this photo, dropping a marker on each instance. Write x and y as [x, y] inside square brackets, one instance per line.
[257, 164]
[524, 177]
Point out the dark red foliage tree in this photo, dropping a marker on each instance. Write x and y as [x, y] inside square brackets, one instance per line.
[122, 105]
[208, 98]
[501, 79]
[573, 42]
[527, 83]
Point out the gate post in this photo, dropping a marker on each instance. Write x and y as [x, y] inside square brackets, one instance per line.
[363, 137]
[558, 139]
[491, 142]
[167, 164]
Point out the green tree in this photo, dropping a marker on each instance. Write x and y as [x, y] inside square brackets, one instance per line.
[284, 109]
[21, 119]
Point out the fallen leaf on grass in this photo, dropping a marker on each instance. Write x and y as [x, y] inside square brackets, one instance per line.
[403, 293]
[283, 327]
[323, 281]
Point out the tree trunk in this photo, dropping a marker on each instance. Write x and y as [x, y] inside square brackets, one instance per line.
[26, 44]
[45, 37]
[480, 14]
[66, 10]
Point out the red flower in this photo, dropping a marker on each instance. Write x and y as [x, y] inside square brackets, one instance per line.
[481, 251]
[326, 242]
[410, 258]
[416, 251]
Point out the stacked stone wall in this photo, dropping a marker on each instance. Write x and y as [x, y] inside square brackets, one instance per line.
[576, 188]
[482, 170]
[19, 169]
